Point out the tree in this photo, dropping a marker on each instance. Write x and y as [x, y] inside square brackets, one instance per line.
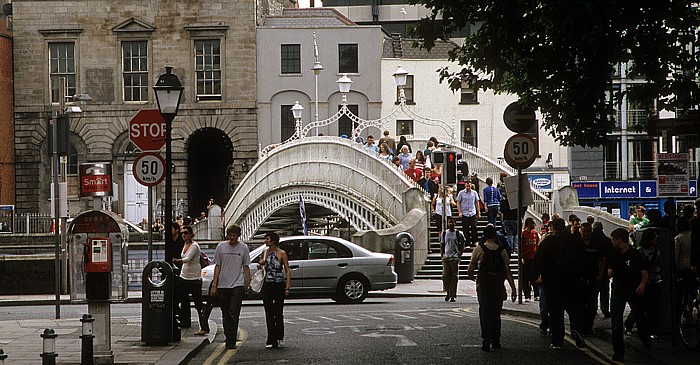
[559, 56]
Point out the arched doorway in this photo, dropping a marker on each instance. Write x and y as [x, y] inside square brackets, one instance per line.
[209, 155]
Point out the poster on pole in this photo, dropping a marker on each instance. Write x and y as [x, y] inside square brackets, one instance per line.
[512, 188]
[672, 174]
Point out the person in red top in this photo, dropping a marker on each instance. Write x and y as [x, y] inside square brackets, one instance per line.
[412, 171]
[544, 229]
[531, 239]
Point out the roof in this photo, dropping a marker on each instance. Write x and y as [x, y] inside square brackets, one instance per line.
[398, 47]
[308, 18]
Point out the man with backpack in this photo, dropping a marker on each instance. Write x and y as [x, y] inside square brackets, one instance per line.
[492, 262]
[451, 248]
[559, 263]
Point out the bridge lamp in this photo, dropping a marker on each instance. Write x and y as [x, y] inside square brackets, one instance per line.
[168, 90]
[400, 80]
[297, 109]
[344, 84]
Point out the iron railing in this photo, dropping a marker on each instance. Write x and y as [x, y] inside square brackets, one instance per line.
[33, 223]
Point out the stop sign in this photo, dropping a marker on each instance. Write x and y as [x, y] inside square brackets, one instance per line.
[147, 130]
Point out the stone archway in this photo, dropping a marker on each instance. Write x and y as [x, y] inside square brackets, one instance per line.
[209, 155]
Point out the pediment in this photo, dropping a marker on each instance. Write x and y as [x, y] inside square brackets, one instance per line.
[134, 25]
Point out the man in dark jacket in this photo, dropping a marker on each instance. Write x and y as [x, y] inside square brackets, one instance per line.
[559, 262]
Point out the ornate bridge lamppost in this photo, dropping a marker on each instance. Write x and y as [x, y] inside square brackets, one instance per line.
[168, 95]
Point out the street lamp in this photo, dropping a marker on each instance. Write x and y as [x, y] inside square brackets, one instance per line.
[317, 71]
[297, 109]
[344, 84]
[400, 80]
[168, 95]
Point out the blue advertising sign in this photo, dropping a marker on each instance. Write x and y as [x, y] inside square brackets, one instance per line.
[542, 181]
[586, 189]
[693, 188]
[647, 189]
[619, 189]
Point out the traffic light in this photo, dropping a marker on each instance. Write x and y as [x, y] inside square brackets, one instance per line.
[436, 157]
[450, 166]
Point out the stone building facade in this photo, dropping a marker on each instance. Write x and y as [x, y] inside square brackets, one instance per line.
[7, 170]
[115, 52]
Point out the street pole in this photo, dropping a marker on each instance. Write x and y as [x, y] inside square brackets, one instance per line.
[168, 178]
[520, 236]
[150, 224]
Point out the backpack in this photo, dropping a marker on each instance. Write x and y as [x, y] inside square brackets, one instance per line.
[204, 260]
[491, 268]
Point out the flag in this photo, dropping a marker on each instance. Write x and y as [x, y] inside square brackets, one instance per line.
[302, 213]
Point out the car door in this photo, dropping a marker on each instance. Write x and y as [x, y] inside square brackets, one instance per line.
[294, 251]
[326, 262]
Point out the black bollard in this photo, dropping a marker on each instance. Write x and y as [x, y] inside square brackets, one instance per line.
[86, 352]
[3, 356]
[49, 354]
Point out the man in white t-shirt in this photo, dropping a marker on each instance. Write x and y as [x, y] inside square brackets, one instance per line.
[468, 211]
[231, 280]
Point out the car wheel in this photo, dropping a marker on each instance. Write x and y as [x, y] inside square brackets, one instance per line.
[352, 289]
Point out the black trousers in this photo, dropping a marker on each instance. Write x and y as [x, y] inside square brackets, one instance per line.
[529, 285]
[193, 288]
[590, 304]
[605, 294]
[490, 305]
[273, 301]
[231, 302]
[469, 229]
[561, 298]
[617, 309]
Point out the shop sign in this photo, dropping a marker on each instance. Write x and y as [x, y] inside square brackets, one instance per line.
[587, 189]
[541, 181]
[95, 179]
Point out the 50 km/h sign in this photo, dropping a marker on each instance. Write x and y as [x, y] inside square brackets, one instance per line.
[520, 151]
[147, 130]
[149, 169]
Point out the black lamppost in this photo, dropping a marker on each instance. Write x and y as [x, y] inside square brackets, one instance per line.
[168, 94]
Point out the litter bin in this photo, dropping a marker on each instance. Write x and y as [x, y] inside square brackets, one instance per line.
[404, 253]
[158, 324]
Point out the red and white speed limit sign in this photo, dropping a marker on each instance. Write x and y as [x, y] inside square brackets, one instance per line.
[520, 151]
[149, 169]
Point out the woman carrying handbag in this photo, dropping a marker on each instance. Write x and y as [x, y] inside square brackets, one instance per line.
[275, 288]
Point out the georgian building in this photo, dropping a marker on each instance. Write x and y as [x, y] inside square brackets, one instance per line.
[115, 52]
[7, 170]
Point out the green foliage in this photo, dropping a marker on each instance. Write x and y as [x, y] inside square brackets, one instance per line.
[559, 56]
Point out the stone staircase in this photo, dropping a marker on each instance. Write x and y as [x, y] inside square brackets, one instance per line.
[432, 267]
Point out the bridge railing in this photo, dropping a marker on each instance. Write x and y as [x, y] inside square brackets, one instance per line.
[338, 164]
[486, 165]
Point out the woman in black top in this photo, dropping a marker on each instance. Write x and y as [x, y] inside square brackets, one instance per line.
[275, 288]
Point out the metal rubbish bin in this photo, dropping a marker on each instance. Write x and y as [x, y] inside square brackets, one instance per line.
[404, 257]
[158, 323]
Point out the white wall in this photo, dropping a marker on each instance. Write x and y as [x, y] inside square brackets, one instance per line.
[436, 101]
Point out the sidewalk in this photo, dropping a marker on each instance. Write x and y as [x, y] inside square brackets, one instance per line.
[21, 340]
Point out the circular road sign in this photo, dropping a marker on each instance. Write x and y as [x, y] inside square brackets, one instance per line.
[518, 119]
[149, 169]
[147, 130]
[520, 151]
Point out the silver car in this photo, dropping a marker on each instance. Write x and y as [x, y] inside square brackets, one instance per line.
[324, 266]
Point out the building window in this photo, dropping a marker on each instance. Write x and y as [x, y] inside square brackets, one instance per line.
[407, 90]
[404, 127]
[468, 132]
[286, 122]
[347, 58]
[291, 59]
[135, 69]
[468, 94]
[640, 164]
[62, 64]
[208, 69]
[345, 124]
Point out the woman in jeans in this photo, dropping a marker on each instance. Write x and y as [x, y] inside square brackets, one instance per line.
[191, 278]
[275, 288]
